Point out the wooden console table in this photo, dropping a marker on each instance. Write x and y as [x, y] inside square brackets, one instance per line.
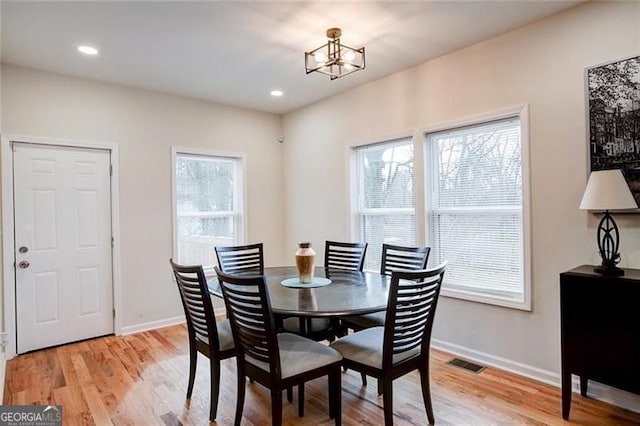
[600, 330]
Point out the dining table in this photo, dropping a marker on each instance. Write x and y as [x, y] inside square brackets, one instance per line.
[348, 293]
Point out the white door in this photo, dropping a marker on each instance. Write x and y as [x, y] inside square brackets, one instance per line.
[62, 216]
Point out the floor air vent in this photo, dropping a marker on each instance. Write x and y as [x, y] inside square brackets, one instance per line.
[475, 368]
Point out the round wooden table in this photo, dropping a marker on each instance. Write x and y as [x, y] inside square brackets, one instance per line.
[350, 293]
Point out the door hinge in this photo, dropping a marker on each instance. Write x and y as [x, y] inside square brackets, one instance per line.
[110, 170]
[112, 242]
[114, 313]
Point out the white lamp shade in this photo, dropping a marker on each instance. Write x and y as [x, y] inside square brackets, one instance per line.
[607, 190]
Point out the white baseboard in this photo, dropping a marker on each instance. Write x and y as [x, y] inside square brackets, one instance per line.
[544, 376]
[596, 390]
[167, 322]
[130, 329]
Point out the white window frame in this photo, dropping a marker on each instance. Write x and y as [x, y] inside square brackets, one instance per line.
[240, 196]
[356, 188]
[522, 112]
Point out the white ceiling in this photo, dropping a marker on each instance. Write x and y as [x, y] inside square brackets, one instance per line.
[235, 52]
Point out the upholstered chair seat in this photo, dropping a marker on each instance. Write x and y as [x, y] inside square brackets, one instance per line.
[225, 338]
[365, 347]
[299, 354]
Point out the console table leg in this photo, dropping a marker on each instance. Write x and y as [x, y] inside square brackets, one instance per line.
[566, 395]
[584, 382]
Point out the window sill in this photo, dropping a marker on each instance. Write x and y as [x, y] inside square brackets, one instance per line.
[523, 305]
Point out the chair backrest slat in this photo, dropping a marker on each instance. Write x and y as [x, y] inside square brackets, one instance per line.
[399, 258]
[349, 256]
[413, 297]
[241, 260]
[252, 322]
[197, 305]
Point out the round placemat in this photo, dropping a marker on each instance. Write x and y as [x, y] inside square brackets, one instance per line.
[295, 282]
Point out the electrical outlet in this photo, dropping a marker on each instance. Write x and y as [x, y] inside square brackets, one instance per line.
[4, 337]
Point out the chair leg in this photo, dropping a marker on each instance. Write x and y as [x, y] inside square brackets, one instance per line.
[214, 367]
[380, 387]
[289, 394]
[276, 407]
[364, 379]
[332, 391]
[387, 395]
[340, 330]
[335, 396]
[193, 362]
[241, 390]
[426, 394]
[301, 400]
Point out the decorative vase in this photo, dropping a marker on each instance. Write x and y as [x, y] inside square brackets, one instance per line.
[305, 262]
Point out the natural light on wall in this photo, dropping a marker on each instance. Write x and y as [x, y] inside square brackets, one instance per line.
[474, 208]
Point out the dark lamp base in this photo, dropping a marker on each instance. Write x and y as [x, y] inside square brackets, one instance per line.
[609, 270]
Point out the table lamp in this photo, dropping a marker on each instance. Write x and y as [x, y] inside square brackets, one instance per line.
[608, 190]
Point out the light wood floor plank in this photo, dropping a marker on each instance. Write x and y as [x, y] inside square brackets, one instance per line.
[141, 379]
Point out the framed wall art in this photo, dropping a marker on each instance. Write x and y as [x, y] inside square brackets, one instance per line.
[613, 92]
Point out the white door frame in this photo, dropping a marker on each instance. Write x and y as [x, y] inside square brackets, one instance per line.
[8, 267]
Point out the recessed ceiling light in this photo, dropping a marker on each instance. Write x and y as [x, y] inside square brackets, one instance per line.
[277, 93]
[88, 50]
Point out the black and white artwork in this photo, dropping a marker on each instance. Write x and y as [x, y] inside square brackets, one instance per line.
[614, 119]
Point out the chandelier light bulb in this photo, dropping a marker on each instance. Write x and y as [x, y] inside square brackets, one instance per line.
[349, 56]
[320, 57]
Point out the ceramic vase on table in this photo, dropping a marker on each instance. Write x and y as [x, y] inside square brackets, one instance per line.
[305, 262]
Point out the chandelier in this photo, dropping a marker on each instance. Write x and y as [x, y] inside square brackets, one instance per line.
[334, 59]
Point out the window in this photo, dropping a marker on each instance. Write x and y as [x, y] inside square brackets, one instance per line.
[385, 197]
[474, 196]
[208, 206]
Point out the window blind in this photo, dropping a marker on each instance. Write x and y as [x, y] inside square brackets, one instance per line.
[475, 214]
[386, 197]
[207, 206]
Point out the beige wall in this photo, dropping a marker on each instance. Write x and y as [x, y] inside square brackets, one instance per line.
[145, 125]
[541, 65]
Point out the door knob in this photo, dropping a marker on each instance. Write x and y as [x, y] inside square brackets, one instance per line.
[23, 264]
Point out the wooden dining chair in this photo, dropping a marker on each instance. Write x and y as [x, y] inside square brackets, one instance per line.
[246, 260]
[394, 258]
[212, 339]
[277, 361]
[339, 255]
[403, 344]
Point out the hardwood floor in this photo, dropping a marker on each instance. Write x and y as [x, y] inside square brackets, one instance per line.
[141, 379]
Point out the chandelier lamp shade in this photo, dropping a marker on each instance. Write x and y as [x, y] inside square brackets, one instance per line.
[334, 58]
[608, 190]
